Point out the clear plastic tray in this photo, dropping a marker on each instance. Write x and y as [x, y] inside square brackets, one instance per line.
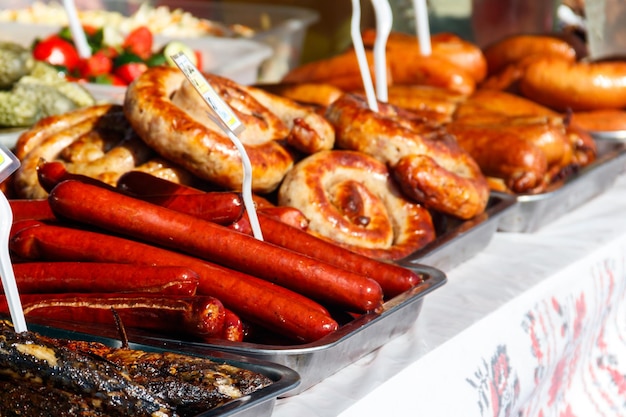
[238, 59]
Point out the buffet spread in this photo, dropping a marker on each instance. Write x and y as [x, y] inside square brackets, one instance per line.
[132, 236]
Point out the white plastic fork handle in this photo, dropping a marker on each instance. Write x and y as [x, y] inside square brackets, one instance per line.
[357, 42]
[422, 26]
[6, 268]
[384, 22]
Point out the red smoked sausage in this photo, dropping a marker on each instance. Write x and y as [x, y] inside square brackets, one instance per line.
[118, 213]
[392, 278]
[254, 299]
[220, 207]
[37, 209]
[88, 277]
[198, 316]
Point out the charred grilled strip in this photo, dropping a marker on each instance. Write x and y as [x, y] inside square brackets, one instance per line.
[27, 356]
[192, 383]
[24, 399]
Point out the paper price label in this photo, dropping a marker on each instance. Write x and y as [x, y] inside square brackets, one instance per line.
[8, 163]
[210, 96]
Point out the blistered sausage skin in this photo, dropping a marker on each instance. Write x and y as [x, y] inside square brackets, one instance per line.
[515, 48]
[578, 86]
[171, 118]
[350, 198]
[389, 136]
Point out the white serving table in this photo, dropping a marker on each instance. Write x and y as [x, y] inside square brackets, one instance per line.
[534, 325]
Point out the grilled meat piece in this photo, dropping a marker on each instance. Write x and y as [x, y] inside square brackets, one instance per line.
[191, 384]
[20, 398]
[27, 356]
[92, 379]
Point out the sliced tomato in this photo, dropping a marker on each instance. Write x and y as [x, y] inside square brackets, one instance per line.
[128, 72]
[139, 41]
[199, 62]
[97, 64]
[56, 51]
[108, 79]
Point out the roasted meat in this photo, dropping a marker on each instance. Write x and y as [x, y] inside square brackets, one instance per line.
[92, 379]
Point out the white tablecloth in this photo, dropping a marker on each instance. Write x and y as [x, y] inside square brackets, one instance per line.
[534, 325]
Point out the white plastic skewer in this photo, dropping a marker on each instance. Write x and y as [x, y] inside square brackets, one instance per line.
[357, 42]
[230, 124]
[384, 21]
[78, 34]
[422, 26]
[8, 164]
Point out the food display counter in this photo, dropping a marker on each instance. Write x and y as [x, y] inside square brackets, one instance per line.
[533, 325]
[473, 178]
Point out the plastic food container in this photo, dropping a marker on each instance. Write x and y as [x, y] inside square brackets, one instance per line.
[237, 59]
[282, 28]
[268, 40]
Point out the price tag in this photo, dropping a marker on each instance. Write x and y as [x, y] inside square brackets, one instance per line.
[210, 96]
[8, 163]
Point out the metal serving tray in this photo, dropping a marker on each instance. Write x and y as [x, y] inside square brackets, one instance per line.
[314, 361]
[535, 211]
[459, 240]
[258, 404]
[318, 360]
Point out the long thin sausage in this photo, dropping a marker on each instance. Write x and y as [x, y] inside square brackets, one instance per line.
[89, 277]
[34, 209]
[258, 301]
[199, 316]
[392, 278]
[126, 215]
[223, 207]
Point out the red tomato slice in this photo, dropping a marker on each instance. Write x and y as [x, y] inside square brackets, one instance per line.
[98, 64]
[128, 72]
[199, 62]
[109, 79]
[57, 51]
[139, 41]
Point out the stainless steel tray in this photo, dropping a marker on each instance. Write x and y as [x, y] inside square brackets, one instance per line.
[324, 357]
[459, 240]
[609, 134]
[258, 404]
[312, 361]
[535, 211]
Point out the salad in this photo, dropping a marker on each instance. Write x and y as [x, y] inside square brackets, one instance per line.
[114, 60]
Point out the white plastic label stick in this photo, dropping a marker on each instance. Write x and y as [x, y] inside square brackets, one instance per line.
[228, 121]
[357, 41]
[384, 21]
[76, 28]
[8, 164]
[210, 96]
[422, 26]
